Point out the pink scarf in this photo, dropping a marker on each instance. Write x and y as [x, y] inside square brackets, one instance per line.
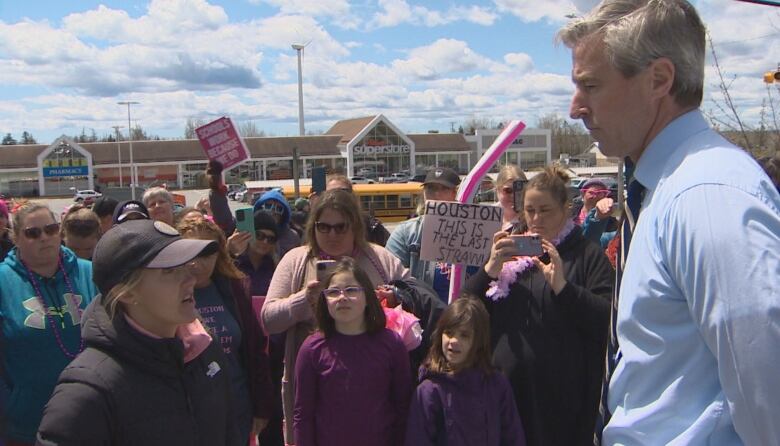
[511, 270]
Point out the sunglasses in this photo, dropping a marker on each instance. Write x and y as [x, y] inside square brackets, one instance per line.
[274, 207]
[324, 228]
[35, 232]
[597, 191]
[350, 292]
[263, 237]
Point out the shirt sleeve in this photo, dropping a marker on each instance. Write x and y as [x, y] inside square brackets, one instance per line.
[285, 306]
[425, 416]
[305, 397]
[397, 245]
[400, 386]
[71, 405]
[722, 247]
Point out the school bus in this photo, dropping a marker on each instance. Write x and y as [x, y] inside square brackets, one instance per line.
[388, 202]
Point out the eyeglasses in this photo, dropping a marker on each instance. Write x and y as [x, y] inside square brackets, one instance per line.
[592, 191]
[325, 228]
[35, 232]
[273, 207]
[350, 292]
[263, 237]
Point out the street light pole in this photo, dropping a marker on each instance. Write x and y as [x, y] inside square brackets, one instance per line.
[299, 49]
[118, 152]
[133, 179]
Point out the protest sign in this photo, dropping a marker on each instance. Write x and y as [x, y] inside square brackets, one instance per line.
[459, 233]
[221, 142]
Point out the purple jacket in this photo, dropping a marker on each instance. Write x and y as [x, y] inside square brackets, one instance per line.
[468, 408]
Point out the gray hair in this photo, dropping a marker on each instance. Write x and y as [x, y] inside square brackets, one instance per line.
[156, 192]
[636, 32]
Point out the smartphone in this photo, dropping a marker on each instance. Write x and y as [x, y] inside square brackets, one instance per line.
[245, 220]
[324, 268]
[528, 245]
[517, 194]
[318, 179]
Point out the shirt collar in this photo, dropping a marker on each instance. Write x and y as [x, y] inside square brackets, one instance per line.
[653, 161]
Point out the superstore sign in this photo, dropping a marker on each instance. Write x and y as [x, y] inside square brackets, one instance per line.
[382, 150]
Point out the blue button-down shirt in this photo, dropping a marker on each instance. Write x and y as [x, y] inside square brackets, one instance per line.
[699, 315]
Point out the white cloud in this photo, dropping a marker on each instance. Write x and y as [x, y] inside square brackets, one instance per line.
[313, 8]
[445, 56]
[395, 12]
[532, 10]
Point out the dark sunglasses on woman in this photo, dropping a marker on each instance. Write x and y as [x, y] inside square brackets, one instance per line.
[324, 228]
[262, 237]
[35, 231]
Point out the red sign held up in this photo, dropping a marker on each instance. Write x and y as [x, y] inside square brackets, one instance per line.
[221, 142]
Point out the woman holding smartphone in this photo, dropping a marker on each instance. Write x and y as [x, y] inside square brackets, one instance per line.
[549, 316]
[334, 231]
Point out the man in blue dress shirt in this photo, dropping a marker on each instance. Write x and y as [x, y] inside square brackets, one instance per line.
[698, 320]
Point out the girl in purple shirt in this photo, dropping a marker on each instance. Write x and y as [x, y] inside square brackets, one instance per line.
[352, 380]
[461, 400]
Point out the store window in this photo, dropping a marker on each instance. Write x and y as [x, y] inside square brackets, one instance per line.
[424, 163]
[533, 160]
[279, 170]
[380, 153]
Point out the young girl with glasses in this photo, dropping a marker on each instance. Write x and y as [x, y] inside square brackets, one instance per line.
[461, 399]
[352, 376]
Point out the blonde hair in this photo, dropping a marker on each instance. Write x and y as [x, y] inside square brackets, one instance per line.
[111, 300]
[21, 213]
[509, 172]
[156, 192]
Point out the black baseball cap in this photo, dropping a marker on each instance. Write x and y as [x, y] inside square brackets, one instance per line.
[444, 176]
[130, 210]
[138, 244]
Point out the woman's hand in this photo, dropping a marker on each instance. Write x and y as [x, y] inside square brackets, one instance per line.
[553, 271]
[386, 292]
[258, 424]
[204, 204]
[604, 208]
[503, 249]
[238, 242]
[313, 290]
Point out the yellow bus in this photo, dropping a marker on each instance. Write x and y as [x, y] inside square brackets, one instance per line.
[388, 202]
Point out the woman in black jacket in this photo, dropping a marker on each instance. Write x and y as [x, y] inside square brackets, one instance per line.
[150, 374]
[549, 317]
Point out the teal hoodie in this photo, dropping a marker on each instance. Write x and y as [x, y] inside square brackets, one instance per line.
[31, 358]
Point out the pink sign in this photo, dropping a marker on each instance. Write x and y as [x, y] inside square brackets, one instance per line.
[470, 184]
[221, 142]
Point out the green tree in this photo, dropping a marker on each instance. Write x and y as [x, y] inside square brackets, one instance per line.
[27, 138]
[8, 140]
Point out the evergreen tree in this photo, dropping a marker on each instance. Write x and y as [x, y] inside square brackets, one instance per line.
[27, 138]
[8, 140]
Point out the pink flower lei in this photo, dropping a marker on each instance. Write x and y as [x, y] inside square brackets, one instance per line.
[511, 270]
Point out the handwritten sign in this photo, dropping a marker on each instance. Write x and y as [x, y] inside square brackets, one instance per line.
[221, 142]
[459, 233]
[468, 187]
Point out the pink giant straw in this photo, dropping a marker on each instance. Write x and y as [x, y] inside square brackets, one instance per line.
[468, 187]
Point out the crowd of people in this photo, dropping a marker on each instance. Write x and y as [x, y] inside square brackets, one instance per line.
[131, 324]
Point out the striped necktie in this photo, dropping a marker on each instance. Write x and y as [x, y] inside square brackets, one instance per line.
[634, 196]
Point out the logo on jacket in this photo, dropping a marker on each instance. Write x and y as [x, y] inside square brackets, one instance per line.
[214, 368]
[38, 317]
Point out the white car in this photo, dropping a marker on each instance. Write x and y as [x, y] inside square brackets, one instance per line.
[82, 195]
[361, 180]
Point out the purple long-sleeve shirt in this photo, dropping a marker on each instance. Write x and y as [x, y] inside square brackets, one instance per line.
[352, 390]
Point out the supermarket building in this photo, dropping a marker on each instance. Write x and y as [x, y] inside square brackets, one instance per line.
[370, 146]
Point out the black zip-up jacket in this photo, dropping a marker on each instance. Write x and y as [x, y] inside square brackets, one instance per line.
[129, 389]
[552, 346]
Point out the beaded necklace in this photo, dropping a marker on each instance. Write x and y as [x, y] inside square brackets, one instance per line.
[58, 310]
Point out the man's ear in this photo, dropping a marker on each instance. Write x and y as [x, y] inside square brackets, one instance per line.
[662, 76]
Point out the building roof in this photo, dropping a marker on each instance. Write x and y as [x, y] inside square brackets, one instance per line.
[349, 128]
[439, 142]
[24, 156]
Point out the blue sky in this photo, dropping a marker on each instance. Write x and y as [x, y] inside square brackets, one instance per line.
[64, 65]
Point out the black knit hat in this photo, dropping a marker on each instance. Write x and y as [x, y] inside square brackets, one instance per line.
[138, 244]
[265, 220]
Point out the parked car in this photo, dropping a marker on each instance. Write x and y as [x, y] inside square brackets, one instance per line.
[86, 195]
[233, 192]
[577, 182]
[397, 178]
[361, 180]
